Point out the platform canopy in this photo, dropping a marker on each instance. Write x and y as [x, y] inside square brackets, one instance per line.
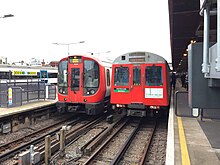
[186, 26]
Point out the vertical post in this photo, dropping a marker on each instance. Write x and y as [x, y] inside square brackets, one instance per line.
[47, 149]
[7, 95]
[62, 142]
[21, 95]
[27, 91]
[31, 154]
[218, 37]
[201, 114]
[44, 90]
[15, 95]
[38, 89]
[205, 65]
[55, 92]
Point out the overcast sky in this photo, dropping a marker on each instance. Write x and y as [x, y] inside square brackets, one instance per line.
[119, 26]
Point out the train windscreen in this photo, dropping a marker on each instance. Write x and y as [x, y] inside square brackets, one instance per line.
[121, 76]
[91, 74]
[153, 76]
[62, 77]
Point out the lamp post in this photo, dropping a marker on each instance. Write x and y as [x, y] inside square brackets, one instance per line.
[6, 16]
[68, 44]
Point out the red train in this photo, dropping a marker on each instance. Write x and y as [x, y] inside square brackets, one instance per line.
[140, 84]
[83, 84]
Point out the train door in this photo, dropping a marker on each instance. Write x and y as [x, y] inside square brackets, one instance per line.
[121, 84]
[136, 85]
[153, 84]
[75, 69]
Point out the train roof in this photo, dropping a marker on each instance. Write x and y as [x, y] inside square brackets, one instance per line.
[139, 57]
[105, 63]
[7, 67]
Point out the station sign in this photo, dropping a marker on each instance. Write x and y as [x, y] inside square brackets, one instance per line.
[24, 73]
[43, 74]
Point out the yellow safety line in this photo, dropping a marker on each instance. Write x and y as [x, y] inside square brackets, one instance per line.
[183, 146]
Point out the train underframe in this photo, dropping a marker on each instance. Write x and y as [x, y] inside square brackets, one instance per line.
[141, 110]
[87, 108]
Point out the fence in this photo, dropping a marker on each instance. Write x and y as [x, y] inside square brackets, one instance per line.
[17, 93]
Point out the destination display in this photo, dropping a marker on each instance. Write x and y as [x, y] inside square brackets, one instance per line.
[121, 90]
[75, 59]
[136, 59]
[137, 54]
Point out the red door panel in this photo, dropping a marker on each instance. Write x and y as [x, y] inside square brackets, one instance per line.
[75, 82]
[136, 88]
[154, 84]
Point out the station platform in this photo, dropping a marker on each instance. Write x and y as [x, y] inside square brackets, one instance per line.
[192, 141]
[4, 112]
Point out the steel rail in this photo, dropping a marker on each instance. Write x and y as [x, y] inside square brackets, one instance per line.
[123, 149]
[147, 146]
[15, 150]
[91, 158]
[31, 135]
[70, 136]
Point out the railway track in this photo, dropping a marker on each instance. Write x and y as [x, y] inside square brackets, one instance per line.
[79, 127]
[10, 149]
[125, 141]
[86, 142]
[134, 142]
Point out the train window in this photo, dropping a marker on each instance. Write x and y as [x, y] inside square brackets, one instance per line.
[121, 76]
[75, 79]
[91, 74]
[62, 73]
[136, 76]
[153, 76]
[4, 75]
[52, 75]
[108, 77]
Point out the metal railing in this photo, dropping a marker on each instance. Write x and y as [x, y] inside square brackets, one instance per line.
[17, 93]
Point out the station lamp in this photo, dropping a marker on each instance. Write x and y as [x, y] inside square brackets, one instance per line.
[8, 15]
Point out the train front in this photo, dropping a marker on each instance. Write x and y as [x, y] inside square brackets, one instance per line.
[80, 87]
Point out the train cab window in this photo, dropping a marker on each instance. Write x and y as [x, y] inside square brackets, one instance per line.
[153, 76]
[91, 74]
[137, 76]
[62, 73]
[108, 77]
[121, 76]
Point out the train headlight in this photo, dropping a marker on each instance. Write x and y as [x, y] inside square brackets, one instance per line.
[92, 91]
[61, 90]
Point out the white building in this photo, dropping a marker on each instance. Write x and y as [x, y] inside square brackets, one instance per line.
[34, 62]
[3, 60]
